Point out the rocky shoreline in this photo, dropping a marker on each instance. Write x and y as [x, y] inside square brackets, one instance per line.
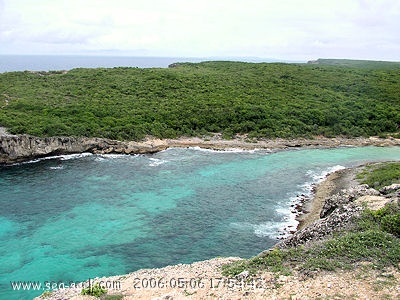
[309, 208]
[19, 148]
[338, 200]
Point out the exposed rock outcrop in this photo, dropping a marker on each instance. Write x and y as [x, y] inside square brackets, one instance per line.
[19, 148]
[391, 189]
[339, 219]
[345, 197]
[339, 212]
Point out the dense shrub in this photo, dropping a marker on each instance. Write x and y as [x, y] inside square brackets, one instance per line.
[391, 224]
[262, 100]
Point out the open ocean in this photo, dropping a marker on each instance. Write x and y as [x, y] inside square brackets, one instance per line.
[71, 218]
[9, 63]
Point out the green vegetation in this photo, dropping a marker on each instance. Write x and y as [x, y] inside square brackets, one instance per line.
[365, 64]
[262, 100]
[380, 175]
[387, 219]
[275, 260]
[374, 238]
[46, 294]
[95, 290]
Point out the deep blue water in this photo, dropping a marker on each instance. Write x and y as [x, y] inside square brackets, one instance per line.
[79, 217]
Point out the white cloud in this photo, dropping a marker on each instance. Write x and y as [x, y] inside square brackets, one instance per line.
[288, 29]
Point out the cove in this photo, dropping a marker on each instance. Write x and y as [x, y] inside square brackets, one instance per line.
[76, 217]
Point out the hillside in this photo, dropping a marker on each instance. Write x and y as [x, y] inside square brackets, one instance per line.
[263, 100]
[355, 63]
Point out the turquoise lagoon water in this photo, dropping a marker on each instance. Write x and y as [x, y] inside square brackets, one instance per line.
[82, 216]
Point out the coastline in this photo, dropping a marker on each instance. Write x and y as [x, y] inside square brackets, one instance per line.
[281, 287]
[20, 148]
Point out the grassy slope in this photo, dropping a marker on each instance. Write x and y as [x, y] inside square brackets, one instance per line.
[263, 100]
[380, 175]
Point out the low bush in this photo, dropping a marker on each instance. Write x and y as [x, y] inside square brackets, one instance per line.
[95, 290]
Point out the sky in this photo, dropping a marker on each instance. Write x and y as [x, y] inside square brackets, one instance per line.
[298, 30]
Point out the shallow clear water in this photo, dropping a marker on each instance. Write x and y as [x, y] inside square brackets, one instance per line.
[78, 217]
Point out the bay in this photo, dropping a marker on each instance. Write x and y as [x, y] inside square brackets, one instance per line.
[82, 216]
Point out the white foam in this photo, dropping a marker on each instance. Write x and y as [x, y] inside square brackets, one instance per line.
[318, 177]
[306, 191]
[268, 229]
[225, 150]
[74, 156]
[61, 157]
[114, 156]
[289, 223]
[156, 162]
[57, 168]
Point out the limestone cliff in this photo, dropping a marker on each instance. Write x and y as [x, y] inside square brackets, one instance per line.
[19, 148]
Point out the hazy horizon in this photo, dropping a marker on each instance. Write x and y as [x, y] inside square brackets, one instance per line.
[343, 29]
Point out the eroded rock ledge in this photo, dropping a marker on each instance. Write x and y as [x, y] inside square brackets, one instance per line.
[18, 148]
[15, 149]
[339, 211]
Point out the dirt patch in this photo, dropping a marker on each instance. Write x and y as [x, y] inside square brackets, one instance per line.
[373, 202]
